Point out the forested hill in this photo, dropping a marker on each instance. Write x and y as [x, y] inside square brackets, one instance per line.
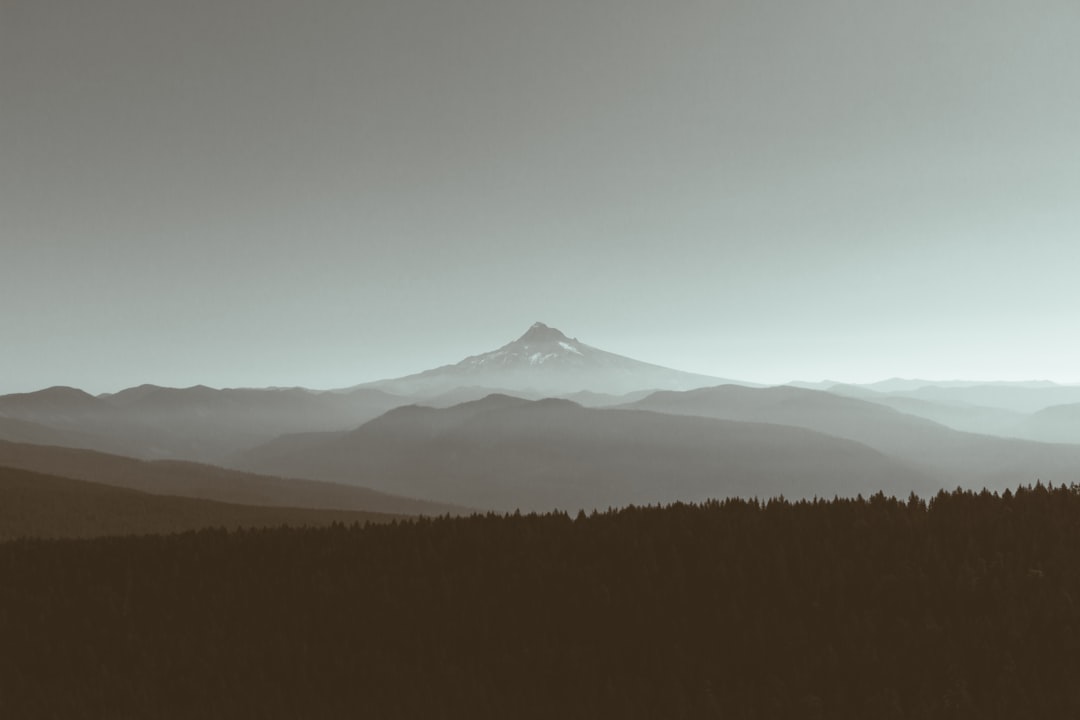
[964, 607]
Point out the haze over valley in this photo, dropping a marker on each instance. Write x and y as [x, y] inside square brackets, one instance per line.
[547, 422]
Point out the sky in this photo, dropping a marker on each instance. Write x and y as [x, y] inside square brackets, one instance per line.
[261, 192]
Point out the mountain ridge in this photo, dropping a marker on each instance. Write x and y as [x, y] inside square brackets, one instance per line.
[503, 453]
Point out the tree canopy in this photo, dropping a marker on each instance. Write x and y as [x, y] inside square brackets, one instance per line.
[965, 606]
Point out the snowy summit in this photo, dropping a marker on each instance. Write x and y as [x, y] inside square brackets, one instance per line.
[545, 361]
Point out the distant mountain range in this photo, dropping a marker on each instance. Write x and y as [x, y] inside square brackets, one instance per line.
[209, 425]
[951, 456]
[899, 385]
[1035, 410]
[196, 423]
[545, 421]
[504, 453]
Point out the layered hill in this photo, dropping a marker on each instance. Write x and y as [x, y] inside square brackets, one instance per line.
[196, 423]
[47, 506]
[211, 425]
[952, 457]
[1016, 397]
[193, 480]
[1058, 423]
[25, 431]
[979, 419]
[506, 453]
[1027, 410]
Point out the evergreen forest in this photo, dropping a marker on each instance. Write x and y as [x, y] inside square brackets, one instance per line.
[963, 605]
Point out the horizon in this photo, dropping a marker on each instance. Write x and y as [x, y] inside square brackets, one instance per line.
[97, 391]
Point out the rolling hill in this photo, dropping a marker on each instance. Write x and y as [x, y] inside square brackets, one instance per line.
[25, 431]
[954, 458]
[1018, 397]
[192, 480]
[1058, 423]
[506, 453]
[47, 506]
[962, 416]
[197, 423]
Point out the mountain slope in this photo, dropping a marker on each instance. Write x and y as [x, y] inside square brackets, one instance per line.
[505, 453]
[953, 457]
[48, 506]
[25, 431]
[545, 362]
[908, 384]
[196, 423]
[184, 479]
[958, 416]
[54, 404]
[1016, 397]
[1058, 424]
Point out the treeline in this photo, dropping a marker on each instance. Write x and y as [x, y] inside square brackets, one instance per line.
[967, 606]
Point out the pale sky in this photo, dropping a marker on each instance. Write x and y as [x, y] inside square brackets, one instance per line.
[262, 192]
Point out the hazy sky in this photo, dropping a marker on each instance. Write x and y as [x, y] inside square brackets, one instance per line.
[262, 192]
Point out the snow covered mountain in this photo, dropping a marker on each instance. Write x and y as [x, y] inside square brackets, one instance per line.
[545, 362]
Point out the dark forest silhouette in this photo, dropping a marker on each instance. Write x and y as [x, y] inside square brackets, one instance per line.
[966, 606]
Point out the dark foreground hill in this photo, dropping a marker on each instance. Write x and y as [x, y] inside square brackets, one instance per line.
[193, 480]
[966, 607]
[45, 506]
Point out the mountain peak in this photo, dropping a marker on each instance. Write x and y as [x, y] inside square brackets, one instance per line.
[544, 362]
[539, 332]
